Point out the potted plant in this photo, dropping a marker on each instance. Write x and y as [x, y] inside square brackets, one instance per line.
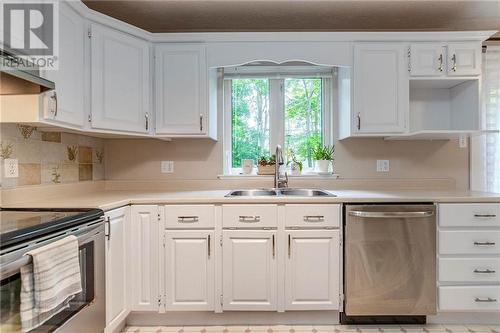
[323, 156]
[266, 165]
[294, 163]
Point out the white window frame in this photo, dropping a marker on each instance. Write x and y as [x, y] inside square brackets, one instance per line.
[276, 115]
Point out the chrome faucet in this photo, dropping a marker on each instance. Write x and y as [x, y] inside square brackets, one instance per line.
[279, 180]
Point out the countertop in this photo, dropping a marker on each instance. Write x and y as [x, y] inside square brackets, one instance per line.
[110, 199]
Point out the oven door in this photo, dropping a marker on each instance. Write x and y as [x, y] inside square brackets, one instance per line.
[87, 309]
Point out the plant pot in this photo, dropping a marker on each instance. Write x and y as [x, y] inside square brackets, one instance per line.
[322, 166]
[265, 169]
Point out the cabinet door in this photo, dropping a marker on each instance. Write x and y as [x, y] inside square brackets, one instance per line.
[144, 251]
[66, 104]
[116, 267]
[181, 89]
[120, 81]
[189, 270]
[249, 277]
[312, 270]
[427, 59]
[381, 88]
[464, 59]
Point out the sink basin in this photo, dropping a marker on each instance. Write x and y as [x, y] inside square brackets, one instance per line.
[303, 192]
[252, 193]
[297, 192]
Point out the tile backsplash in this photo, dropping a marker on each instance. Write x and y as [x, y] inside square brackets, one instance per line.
[47, 157]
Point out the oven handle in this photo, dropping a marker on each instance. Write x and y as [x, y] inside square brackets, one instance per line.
[13, 267]
[391, 214]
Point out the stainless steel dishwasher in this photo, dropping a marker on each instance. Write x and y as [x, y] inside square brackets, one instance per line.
[390, 260]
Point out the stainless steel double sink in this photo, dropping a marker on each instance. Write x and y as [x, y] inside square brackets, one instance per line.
[281, 192]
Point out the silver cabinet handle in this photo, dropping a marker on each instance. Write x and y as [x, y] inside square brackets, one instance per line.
[274, 247]
[485, 216]
[314, 218]
[485, 300]
[208, 245]
[54, 98]
[484, 243]
[201, 123]
[187, 219]
[289, 246]
[454, 59]
[108, 222]
[147, 121]
[249, 218]
[359, 121]
[485, 271]
[440, 59]
[397, 215]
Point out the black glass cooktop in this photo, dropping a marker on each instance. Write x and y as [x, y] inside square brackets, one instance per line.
[20, 225]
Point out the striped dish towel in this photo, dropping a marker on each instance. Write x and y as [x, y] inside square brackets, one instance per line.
[49, 282]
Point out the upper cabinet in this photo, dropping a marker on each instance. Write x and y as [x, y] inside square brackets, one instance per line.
[66, 105]
[181, 87]
[442, 59]
[120, 81]
[380, 90]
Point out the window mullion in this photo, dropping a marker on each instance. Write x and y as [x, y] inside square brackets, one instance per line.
[276, 119]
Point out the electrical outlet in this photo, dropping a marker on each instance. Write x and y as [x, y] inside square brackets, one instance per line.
[462, 141]
[382, 165]
[167, 166]
[11, 168]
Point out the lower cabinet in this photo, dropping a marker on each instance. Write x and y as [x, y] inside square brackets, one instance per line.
[189, 270]
[312, 270]
[117, 224]
[249, 270]
[144, 248]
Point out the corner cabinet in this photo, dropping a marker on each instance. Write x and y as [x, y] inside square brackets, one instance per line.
[381, 89]
[117, 266]
[120, 81]
[181, 90]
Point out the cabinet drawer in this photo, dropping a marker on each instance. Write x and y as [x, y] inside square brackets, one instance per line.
[469, 298]
[312, 216]
[469, 215]
[469, 269]
[469, 242]
[249, 216]
[189, 216]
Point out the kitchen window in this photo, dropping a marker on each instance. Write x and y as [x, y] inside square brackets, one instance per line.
[267, 106]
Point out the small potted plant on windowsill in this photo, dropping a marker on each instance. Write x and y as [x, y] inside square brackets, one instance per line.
[266, 165]
[294, 163]
[323, 157]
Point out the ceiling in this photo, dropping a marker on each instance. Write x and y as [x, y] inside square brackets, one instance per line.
[301, 15]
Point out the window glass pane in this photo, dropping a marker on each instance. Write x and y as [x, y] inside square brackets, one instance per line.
[250, 119]
[303, 117]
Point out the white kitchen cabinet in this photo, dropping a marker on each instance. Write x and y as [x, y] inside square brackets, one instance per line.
[312, 270]
[182, 105]
[250, 270]
[144, 249]
[427, 59]
[120, 81]
[117, 265]
[189, 270]
[464, 59]
[66, 104]
[381, 91]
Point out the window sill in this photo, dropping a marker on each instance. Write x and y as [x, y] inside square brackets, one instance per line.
[256, 177]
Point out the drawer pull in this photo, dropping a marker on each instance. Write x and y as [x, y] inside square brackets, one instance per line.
[274, 247]
[249, 218]
[485, 216]
[314, 218]
[188, 219]
[485, 300]
[485, 271]
[484, 243]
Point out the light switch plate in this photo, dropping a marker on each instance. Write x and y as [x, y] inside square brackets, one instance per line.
[382, 165]
[11, 168]
[167, 166]
[462, 141]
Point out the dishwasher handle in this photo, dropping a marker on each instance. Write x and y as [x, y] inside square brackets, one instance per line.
[395, 215]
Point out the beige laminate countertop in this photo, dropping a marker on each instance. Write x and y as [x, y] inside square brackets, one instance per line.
[109, 199]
